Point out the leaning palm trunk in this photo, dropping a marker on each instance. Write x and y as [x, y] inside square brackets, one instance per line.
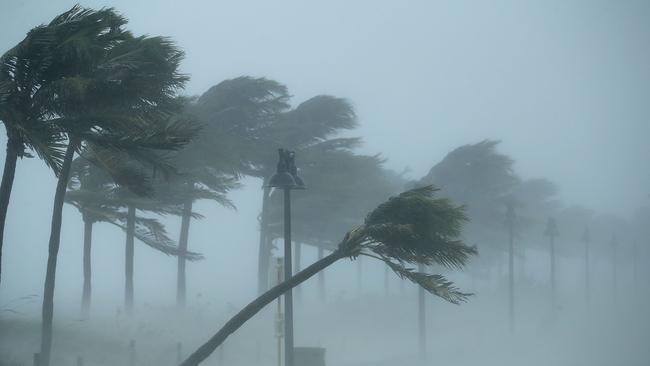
[182, 249]
[128, 260]
[258, 304]
[55, 240]
[85, 297]
[13, 150]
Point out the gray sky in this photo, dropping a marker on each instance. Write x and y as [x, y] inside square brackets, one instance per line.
[564, 84]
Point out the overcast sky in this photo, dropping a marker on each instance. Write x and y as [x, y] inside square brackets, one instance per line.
[564, 84]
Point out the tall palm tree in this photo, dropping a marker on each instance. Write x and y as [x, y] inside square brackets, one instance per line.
[409, 229]
[110, 89]
[24, 71]
[235, 115]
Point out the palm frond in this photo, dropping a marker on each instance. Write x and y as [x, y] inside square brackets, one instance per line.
[435, 284]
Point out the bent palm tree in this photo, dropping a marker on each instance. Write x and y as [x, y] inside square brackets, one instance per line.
[111, 89]
[410, 229]
[23, 72]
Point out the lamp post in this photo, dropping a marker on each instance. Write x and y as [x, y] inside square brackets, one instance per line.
[286, 178]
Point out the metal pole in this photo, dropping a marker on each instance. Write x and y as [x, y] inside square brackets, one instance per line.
[421, 319]
[288, 297]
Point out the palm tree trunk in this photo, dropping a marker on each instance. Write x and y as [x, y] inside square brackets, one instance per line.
[55, 240]
[128, 260]
[321, 275]
[258, 304]
[297, 265]
[264, 247]
[85, 297]
[422, 328]
[182, 246]
[13, 150]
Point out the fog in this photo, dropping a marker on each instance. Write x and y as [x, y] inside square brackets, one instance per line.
[562, 86]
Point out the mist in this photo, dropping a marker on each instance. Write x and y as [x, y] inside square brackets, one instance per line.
[530, 119]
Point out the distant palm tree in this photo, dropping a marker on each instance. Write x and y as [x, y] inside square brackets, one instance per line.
[409, 229]
[93, 192]
[552, 232]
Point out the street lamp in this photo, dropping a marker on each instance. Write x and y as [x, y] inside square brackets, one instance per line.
[286, 178]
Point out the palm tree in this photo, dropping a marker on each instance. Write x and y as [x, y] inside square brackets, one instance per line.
[250, 117]
[235, 115]
[111, 89]
[481, 178]
[409, 229]
[179, 192]
[93, 192]
[24, 71]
